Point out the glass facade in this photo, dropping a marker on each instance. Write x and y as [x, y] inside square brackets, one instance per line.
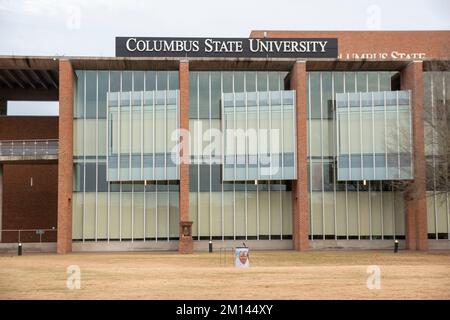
[142, 135]
[382, 121]
[346, 209]
[259, 135]
[437, 151]
[126, 184]
[240, 209]
[119, 210]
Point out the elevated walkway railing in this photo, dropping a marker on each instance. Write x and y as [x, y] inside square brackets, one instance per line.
[27, 235]
[38, 149]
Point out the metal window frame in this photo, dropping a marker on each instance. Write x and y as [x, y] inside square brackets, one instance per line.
[444, 93]
[433, 151]
[200, 156]
[107, 156]
[310, 160]
[321, 156]
[210, 154]
[334, 131]
[84, 159]
[222, 156]
[96, 156]
[130, 139]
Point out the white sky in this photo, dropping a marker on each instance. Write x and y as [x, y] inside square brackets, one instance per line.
[88, 27]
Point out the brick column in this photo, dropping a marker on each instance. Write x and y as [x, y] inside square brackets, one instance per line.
[185, 243]
[3, 107]
[65, 156]
[415, 200]
[300, 186]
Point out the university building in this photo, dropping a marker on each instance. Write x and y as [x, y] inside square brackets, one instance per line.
[283, 140]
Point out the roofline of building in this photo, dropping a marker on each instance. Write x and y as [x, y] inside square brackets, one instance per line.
[205, 63]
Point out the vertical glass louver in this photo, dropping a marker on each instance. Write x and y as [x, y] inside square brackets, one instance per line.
[119, 210]
[142, 135]
[374, 136]
[259, 135]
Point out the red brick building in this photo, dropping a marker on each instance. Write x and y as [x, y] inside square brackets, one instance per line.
[349, 166]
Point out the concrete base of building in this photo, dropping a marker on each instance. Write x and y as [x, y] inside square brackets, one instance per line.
[252, 244]
[199, 246]
[439, 244]
[355, 244]
[31, 247]
[117, 246]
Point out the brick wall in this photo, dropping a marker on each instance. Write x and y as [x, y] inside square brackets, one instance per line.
[434, 44]
[29, 205]
[25, 206]
[25, 127]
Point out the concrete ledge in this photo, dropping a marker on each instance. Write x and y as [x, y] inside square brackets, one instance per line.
[115, 246]
[354, 244]
[28, 247]
[203, 245]
[252, 244]
[439, 244]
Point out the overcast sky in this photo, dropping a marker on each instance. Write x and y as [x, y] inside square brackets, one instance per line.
[88, 27]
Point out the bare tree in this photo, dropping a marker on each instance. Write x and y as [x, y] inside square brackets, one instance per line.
[436, 119]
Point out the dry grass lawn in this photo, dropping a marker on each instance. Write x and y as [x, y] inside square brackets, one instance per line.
[272, 275]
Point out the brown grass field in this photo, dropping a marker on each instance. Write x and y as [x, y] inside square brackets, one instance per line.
[272, 275]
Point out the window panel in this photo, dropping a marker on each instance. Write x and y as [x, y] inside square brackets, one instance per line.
[228, 201]
[240, 213]
[275, 212]
[174, 215]
[287, 213]
[77, 216]
[163, 213]
[431, 213]
[364, 214]
[252, 216]
[376, 210]
[341, 214]
[126, 215]
[264, 208]
[138, 214]
[328, 207]
[78, 134]
[388, 213]
[193, 212]
[216, 214]
[91, 94]
[103, 84]
[316, 214]
[102, 215]
[80, 94]
[114, 215]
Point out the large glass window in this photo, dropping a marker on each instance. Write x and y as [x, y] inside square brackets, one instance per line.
[350, 209]
[122, 211]
[222, 204]
[436, 105]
